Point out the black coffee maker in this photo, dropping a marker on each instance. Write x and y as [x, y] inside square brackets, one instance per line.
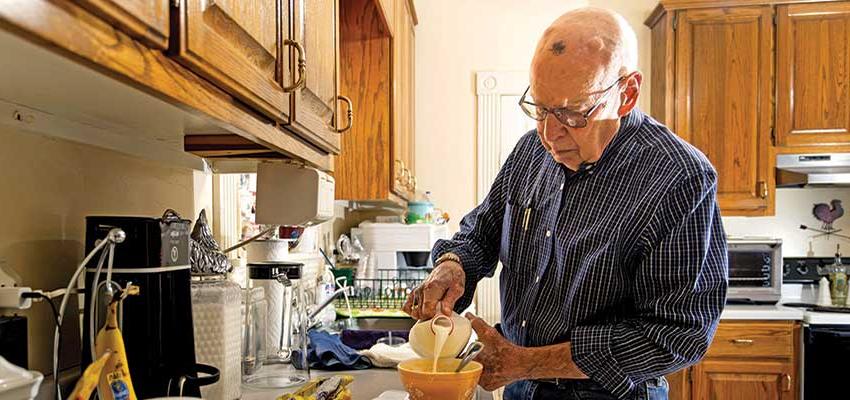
[157, 323]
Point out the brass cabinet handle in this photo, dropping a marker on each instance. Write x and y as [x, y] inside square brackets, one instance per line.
[350, 113]
[411, 182]
[742, 341]
[787, 380]
[302, 66]
[762, 185]
[402, 172]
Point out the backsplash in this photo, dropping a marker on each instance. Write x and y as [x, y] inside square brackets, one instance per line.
[793, 208]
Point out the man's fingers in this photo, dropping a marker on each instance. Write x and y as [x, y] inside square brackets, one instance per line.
[451, 297]
[479, 325]
[431, 296]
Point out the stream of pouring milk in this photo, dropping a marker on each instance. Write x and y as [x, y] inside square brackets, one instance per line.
[441, 333]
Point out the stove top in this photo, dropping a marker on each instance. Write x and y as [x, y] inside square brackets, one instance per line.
[804, 269]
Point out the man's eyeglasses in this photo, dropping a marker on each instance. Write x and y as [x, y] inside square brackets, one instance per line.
[572, 119]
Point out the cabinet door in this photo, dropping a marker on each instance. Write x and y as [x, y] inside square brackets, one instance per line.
[813, 74]
[238, 44]
[315, 28]
[723, 100]
[743, 380]
[146, 20]
[410, 111]
[680, 385]
[402, 164]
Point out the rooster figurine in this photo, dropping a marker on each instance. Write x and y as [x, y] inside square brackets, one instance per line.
[827, 215]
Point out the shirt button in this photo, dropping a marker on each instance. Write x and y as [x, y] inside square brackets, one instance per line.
[548, 233]
[562, 186]
[537, 279]
[523, 323]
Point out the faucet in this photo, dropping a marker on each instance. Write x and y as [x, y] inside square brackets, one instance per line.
[320, 307]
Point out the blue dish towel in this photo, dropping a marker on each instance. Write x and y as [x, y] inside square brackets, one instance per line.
[326, 351]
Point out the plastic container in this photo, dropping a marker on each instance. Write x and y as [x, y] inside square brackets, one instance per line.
[217, 320]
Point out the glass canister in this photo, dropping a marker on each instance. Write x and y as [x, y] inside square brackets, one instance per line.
[837, 273]
[255, 314]
[217, 315]
[286, 309]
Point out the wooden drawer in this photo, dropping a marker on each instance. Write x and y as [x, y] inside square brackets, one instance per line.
[754, 339]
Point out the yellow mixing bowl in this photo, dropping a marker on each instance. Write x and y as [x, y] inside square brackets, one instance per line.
[422, 384]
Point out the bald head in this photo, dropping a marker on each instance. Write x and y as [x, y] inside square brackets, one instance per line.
[583, 47]
[583, 53]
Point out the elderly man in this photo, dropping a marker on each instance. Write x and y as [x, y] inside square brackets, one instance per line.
[607, 228]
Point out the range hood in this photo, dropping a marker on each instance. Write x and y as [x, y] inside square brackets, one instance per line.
[830, 169]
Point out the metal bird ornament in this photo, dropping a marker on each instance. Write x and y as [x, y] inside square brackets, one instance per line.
[827, 215]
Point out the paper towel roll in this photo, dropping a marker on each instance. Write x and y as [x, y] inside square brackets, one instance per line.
[274, 295]
[267, 250]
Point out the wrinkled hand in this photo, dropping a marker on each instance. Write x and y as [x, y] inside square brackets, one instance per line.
[443, 287]
[502, 360]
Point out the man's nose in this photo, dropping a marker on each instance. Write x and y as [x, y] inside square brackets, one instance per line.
[552, 128]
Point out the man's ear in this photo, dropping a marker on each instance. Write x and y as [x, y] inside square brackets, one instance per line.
[629, 97]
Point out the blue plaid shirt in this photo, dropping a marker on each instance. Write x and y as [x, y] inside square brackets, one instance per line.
[625, 258]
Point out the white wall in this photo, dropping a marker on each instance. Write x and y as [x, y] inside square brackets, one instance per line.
[48, 187]
[793, 208]
[456, 38]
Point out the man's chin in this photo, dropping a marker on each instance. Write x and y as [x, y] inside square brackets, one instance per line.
[569, 158]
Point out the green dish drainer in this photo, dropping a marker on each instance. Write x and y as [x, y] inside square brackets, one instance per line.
[382, 296]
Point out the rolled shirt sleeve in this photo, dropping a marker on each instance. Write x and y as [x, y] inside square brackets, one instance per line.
[679, 292]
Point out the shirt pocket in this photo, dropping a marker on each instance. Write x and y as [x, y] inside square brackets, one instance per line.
[511, 223]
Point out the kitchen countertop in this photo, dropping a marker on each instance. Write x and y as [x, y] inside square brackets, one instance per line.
[761, 312]
[368, 384]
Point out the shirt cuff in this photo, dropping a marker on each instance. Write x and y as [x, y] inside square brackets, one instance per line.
[591, 350]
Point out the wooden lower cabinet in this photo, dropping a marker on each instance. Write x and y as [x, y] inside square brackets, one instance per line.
[743, 380]
[748, 360]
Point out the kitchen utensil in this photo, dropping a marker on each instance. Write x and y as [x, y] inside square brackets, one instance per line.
[422, 384]
[471, 352]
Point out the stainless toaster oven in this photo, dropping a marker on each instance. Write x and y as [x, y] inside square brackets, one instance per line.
[755, 270]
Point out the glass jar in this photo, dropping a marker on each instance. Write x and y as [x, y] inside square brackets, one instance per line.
[217, 318]
[255, 314]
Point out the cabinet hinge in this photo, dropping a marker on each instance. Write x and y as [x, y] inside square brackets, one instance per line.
[773, 136]
[675, 20]
[775, 19]
[690, 375]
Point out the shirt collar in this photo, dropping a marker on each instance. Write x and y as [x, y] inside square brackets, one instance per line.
[622, 143]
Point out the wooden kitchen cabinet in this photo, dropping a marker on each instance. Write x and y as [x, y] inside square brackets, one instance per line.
[712, 85]
[146, 20]
[747, 360]
[377, 72]
[238, 45]
[219, 89]
[315, 112]
[724, 68]
[743, 380]
[813, 74]
[404, 112]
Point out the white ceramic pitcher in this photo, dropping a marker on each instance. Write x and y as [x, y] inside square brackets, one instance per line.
[422, 336]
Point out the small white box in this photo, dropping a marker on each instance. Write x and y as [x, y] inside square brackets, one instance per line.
[289, 194]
